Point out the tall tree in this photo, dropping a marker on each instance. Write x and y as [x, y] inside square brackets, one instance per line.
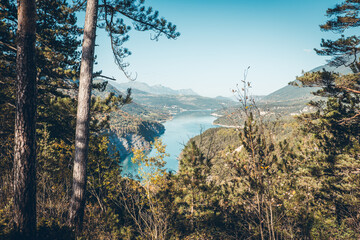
[77, 203]
[25, 142]
[194, 168]
[143, 19]
[57, 62]
[344, 51]
[336, 123]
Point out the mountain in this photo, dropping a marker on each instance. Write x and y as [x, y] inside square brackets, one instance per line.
[283, 103]
[221, 98]
[155, 89]
[133, 125]
[171, 101]
[178, 103]
[290, 93]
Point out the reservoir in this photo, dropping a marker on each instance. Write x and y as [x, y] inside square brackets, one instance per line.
[178, 131]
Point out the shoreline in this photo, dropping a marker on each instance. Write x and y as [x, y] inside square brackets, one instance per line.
[178, 128]
[216, 115]
[226, 126]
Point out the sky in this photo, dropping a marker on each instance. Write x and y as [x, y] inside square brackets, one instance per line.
[220, 39]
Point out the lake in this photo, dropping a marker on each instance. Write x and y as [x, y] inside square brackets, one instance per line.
[178, 131]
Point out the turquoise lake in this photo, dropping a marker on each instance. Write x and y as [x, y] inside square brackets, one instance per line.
[178, 131]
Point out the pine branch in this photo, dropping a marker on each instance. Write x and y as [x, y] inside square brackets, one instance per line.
[347, 120]
[8, 46]
[109, 78]
[350, 90]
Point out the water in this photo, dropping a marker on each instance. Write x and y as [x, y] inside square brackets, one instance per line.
[178, 131]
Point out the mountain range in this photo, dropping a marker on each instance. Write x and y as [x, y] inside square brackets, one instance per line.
[157, 103]
[136, 124]
[171, 101]
[283, 103]
[291, 93]
[155, 89]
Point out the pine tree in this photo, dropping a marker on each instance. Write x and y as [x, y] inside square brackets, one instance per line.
[77, 203]
[335, 125]
[344, 51]
[193, 200]
[57, 63]
[25, 141]
[55, 38]
[112, 12]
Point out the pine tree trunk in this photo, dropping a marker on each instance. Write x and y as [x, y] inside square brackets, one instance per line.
[25, 142]
[77, 203]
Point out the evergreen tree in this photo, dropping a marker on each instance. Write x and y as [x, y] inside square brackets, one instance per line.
[57, 68]
[77, 204]
[193, 200]
[344, 50]
[57, 64]
[25, 141]
[335, 125]
[112, 12]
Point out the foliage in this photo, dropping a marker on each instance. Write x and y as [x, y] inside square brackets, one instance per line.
[151, 169]
[191, 200]
[114, 17]
[140, 198]
[287, 179]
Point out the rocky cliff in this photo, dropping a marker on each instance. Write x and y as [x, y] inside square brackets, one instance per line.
[146, 132]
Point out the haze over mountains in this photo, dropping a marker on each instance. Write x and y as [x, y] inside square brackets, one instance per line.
[136, 124]
[155, 89]
[158, 103]
[283, 103]
[169, 100]
[291, 93]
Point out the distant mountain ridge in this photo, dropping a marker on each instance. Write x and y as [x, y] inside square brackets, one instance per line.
[171, 101]
[155, 89]
[133, 125]
[285, 102]
[301, 95]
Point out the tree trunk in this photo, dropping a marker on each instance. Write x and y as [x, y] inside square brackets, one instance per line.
[25, 142]
[77, 203]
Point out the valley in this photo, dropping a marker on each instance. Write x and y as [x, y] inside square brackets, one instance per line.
[137, 124]
[107, 135]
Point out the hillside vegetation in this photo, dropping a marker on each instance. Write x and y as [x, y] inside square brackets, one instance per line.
[283, 171]
[289, 101]
[173, 101]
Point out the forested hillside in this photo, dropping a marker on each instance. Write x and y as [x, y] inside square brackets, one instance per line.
[286, 102]
[132, 125]
[155, 89]
[284, 170]
[171, 101]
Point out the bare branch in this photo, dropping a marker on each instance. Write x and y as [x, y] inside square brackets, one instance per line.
[347, 120]
[109, 78]
[350, 89]
[8, 46]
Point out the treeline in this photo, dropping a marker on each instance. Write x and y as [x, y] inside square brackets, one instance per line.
[276, 180]
[43, 184]
[296, 179]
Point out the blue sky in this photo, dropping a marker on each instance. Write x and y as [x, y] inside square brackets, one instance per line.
[219, 39]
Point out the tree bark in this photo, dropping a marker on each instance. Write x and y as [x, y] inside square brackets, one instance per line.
[77, 203]
[25, 141]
